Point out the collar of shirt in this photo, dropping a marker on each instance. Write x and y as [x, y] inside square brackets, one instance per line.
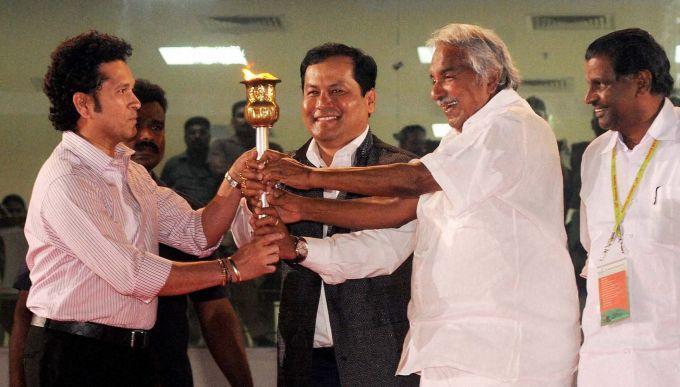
[501, 99]
[659, 130]
[344, 157]
[93, 157]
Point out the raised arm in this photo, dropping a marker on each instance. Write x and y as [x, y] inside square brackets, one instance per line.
[355, 214]
[219, 213]
[402, 179]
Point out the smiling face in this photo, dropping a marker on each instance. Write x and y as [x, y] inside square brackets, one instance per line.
[333, 109]
[614, 100]
[456, 88]
[114, 117]
[149, 143]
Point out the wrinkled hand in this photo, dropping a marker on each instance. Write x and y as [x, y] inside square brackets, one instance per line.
[272, 224]
[280, 167]
[258, 257]
[283, 205]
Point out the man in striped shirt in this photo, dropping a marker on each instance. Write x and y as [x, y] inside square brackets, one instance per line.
[94, 224]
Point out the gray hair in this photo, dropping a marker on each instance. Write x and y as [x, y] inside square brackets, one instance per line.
[486, 52]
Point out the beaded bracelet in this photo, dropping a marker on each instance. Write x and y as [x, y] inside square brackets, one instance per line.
[226, 275]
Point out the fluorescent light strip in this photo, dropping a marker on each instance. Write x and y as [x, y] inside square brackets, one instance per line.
[203, 55]
[425, 54]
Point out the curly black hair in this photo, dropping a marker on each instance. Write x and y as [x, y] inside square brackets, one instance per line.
[146, 92]
[75, 68]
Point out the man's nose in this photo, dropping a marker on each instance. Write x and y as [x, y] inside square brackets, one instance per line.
[144, 132]
[590, 97]
[323, 100]
[437, 92]
[134, 102]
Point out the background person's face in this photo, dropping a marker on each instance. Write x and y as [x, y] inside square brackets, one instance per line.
[149, 143]
[197, 137]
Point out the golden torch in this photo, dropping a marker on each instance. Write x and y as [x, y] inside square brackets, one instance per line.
[261, 110]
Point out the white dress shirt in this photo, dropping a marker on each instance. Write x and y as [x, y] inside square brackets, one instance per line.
[493, 290]
[643, 350]
[93, 227]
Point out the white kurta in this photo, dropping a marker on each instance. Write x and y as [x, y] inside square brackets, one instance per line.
[643, 350]
[493, 290]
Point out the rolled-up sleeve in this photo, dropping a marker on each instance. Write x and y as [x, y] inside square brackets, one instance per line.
[72, 209]
[361, 254]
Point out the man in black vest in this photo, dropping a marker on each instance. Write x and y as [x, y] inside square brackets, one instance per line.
[349, 334]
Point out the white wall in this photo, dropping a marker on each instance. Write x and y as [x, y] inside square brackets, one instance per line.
[390, 30]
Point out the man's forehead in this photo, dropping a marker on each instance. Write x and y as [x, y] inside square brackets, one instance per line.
[116, 72]
[336, 69]
[152, 111]
[449, 57]
[196, 128]
[600, 65]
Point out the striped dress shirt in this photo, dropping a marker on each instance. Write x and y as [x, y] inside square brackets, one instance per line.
[93, 227]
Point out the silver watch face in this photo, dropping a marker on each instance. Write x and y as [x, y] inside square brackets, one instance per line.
[301, 248]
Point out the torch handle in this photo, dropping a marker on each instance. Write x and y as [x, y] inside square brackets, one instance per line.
[262, 144]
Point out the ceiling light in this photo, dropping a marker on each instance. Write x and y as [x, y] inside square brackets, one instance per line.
[440, 130]
[203, 55]
[425, 54]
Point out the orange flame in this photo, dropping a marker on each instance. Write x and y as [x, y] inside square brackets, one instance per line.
[249, 75]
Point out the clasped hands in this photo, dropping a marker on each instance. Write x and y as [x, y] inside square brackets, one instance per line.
[266, 175]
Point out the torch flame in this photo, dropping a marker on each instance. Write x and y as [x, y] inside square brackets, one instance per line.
[249, 76]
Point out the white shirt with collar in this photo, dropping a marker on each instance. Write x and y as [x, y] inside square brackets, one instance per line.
[343, 158]
[493, 290]
[645, 348]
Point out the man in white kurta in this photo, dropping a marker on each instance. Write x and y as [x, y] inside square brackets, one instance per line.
[493, 293]
[494, 301]
[643, 349]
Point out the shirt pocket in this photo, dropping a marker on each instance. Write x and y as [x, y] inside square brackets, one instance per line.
[664, 222]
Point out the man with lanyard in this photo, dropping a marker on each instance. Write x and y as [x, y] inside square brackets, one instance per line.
[630, 217]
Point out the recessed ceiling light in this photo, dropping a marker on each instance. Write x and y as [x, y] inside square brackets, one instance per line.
[425, 54]
[203, 55]
[440, 130]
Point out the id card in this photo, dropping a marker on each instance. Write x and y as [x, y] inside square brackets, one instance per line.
[613, 285]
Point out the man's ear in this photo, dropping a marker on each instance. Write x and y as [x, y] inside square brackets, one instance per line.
[491, 81]
[644, 82]
[84, 104]
[370, 98]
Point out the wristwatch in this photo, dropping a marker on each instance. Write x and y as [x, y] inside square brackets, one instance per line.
[300, 249]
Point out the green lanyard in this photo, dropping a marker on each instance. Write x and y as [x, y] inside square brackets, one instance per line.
[620, 212]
